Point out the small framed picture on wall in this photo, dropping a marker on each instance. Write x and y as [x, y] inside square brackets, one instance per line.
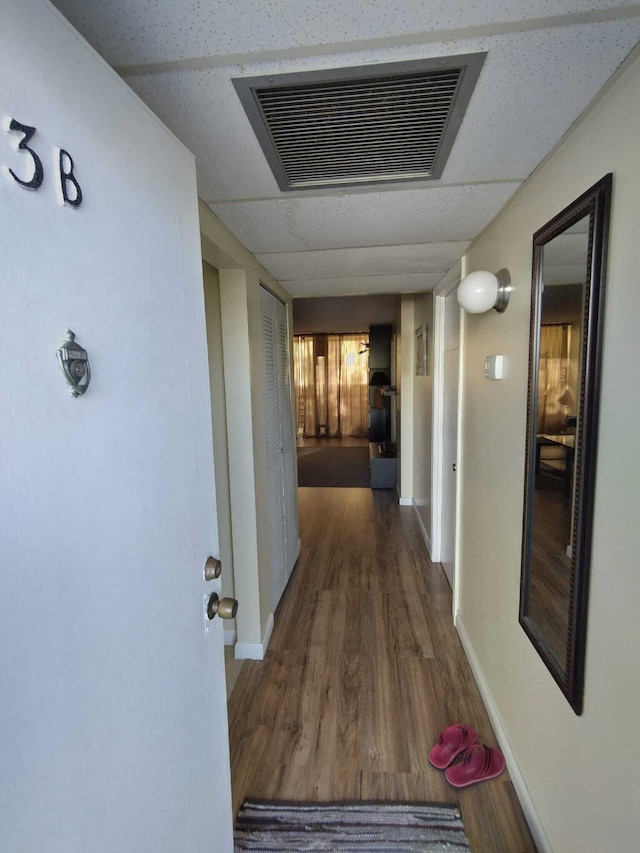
[422, 350]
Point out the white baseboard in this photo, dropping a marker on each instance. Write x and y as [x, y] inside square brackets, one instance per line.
[405, 501]
[522, 792]
[423, 529]
[255, 651]
[230, 636]
[249, 651]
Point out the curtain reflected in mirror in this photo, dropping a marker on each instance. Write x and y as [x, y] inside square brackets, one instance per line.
[565, 342]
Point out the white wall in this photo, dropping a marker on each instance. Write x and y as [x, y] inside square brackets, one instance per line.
[113, 726]
[580, 772]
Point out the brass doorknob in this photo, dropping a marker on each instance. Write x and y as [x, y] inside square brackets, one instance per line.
[212, 569]
[226, 608]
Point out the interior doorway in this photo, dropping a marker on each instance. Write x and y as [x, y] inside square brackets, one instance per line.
[450, 436]
[447, 345]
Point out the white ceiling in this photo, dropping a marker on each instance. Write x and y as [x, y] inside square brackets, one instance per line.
[547, 60]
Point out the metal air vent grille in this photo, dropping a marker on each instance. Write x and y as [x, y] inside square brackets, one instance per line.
[395, 122]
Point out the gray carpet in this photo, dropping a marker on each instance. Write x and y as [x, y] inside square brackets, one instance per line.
[333, 466]
[365, 826]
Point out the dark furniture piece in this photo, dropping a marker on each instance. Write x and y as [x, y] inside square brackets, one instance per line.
[379, 376]
[382, 458]
[380, 349]
[566, 443]
[378, 425]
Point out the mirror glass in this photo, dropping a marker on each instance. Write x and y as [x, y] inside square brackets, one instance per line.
[564, 355]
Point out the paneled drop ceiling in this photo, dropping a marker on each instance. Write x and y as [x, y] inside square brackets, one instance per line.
[546, 61]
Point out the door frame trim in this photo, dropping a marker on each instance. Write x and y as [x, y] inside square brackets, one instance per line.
[446, 287]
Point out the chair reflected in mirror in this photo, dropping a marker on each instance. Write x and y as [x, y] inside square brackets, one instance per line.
[554, 461]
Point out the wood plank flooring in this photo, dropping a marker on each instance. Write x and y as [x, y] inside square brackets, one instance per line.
[363, 670]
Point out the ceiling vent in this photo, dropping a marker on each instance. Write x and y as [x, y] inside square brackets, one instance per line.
[351, 126]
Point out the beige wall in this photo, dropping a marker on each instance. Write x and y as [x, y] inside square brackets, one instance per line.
[415, 409]
[580, 772]
[406, 421]
[219, 427]
[423, 414]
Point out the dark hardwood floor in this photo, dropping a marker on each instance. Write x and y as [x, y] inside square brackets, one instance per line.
[363, 670]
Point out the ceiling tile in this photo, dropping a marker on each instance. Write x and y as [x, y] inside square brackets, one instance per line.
[532, 88]
[547, 60]
[365, 284]
[373, 260]
[136, 31]
[378, 219]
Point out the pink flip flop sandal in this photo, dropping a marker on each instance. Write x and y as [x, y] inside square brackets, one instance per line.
[452, 741]
[479, 763]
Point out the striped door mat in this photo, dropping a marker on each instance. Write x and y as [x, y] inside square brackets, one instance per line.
[358, 826]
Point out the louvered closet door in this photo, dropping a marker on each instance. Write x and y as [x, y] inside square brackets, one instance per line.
[288, 441]
[280, 445]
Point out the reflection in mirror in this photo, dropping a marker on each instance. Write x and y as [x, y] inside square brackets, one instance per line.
[564, 278]
[566, 320]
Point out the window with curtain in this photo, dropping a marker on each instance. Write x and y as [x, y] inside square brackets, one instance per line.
[332, 385]
[553, 378]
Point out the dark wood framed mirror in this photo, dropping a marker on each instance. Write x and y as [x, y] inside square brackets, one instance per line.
[565, 344]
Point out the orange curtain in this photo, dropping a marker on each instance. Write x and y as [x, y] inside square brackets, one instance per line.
[332, 385]
[305, 385]
[553, 375]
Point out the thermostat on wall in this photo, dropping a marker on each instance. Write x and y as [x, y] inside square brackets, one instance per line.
[494, 366]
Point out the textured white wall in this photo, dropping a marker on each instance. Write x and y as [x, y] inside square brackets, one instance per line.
[581, 772]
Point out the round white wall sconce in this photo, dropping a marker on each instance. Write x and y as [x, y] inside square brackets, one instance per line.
[481, 291]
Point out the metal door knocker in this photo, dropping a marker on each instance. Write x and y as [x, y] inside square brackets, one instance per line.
[74, 363]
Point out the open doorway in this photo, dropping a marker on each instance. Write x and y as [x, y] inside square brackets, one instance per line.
[445, 429]
[331, 374]
[213, 317]
[342, 409]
